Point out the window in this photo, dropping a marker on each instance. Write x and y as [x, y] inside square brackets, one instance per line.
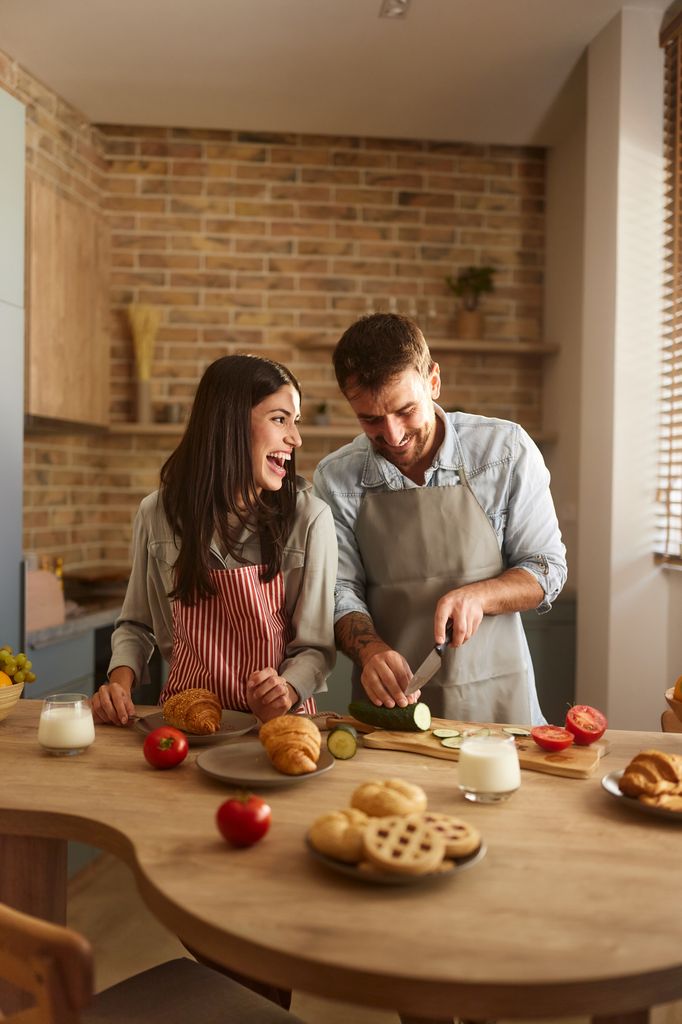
[669, 490]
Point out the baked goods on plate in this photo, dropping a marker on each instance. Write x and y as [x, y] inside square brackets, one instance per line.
[292, 743]
[195, 710]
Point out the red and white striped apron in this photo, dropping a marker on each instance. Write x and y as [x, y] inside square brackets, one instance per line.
[221, 640]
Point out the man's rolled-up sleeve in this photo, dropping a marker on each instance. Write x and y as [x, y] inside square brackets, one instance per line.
[532, 538]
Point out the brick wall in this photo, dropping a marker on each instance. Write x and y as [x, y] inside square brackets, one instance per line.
[271, 244]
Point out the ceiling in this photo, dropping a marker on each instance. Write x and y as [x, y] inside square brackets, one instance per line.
[469, 70]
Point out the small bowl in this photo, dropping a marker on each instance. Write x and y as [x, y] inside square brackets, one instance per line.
[9, 695]
[675, 705]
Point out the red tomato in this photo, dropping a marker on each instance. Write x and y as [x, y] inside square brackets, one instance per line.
[243, 820]
[586, 723]
[165, 747]
[551, 737]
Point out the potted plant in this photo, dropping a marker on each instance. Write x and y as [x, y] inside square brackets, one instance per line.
[321, 415]
[469, 285]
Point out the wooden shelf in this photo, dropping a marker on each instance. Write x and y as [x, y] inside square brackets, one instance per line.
[343, 431]
[476, 347]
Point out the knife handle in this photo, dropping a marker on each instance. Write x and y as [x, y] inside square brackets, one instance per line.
[448, 639]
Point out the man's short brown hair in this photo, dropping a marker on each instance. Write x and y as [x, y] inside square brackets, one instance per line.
[376, 348]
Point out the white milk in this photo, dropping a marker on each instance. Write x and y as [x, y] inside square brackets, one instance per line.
[66, 728]
[488, 767]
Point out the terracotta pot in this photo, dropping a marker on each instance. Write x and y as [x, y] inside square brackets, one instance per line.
[469, 323]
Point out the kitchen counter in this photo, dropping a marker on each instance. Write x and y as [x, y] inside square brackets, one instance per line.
[97, 614]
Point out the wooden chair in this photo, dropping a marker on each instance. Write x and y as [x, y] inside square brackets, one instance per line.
[54, 965]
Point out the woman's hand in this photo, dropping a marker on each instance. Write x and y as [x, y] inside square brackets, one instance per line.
[269, 695]
[112, 703]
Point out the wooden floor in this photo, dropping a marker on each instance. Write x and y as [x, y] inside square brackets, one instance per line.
[104, 905]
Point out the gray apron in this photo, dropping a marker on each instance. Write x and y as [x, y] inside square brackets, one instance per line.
[416, 545]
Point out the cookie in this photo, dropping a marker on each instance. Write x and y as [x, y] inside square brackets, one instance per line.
[384, 797]
[461, 838]
[404, 845]
[339, 835]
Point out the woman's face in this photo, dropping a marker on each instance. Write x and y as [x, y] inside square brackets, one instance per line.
[274, 435]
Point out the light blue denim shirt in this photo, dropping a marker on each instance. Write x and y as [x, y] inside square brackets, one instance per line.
[506, 473]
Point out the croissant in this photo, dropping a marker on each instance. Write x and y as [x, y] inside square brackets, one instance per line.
[197, 711]
[292, 743]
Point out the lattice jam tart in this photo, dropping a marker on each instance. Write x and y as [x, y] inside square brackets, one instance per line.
[404, 845]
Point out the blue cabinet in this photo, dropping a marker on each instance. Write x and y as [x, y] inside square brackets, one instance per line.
[66, 666]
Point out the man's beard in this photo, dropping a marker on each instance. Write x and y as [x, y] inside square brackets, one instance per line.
[411, 456]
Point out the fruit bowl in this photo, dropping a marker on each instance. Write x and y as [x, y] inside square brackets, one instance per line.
[9, 695]
[675, 705]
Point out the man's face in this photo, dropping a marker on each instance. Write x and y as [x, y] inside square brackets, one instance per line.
[400, 420]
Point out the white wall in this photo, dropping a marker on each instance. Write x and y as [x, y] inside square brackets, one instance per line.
[564, 305]
[12, 147]
[622, 657]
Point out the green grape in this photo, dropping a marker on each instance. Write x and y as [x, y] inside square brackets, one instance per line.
[7, 648]
[19, 677]
[30, 677]
[28, 665]
[20, 660]
[4, 656]
[10, 667]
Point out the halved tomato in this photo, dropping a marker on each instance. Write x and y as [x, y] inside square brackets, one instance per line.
[551, 737]
[586, 723]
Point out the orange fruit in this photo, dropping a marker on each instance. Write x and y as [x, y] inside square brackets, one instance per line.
[5, 679]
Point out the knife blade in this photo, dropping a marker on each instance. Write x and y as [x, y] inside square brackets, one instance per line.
[430, 664]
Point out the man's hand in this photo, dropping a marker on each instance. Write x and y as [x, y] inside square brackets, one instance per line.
[514, 590]
[112, 703]
[465, 608]
[385, 676]
[269, 695]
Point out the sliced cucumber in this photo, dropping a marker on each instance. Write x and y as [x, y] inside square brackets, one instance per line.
[413, 718]
[444, 734]
[452, 742]
[478, 732]
[342, 742]
[515, 730]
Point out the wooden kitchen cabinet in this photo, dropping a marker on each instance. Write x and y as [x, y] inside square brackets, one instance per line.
[67, 344]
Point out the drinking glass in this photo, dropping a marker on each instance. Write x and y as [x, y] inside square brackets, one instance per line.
[488, 768]
[66, 724]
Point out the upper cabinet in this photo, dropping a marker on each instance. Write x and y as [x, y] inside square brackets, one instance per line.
[67, 344]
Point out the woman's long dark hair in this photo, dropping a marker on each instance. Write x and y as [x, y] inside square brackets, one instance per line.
[209, 476]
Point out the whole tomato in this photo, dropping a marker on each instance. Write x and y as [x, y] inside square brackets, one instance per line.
[165, 747]
[243, 820]
[586, 723]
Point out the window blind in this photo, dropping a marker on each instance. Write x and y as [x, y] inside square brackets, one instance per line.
[669, 489]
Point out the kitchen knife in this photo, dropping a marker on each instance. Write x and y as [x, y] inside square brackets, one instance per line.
[430, 665]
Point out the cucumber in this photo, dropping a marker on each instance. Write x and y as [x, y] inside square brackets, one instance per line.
[478, 732]
[452, 742]
[444, 734]
[413, 718]
[514, 730]
[342, 742]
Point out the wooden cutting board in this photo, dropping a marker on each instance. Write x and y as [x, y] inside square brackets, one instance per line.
[574, 762]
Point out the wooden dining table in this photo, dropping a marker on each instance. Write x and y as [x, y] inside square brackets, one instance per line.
[574, 909]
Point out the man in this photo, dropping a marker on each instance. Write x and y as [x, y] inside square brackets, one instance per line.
[441, 518]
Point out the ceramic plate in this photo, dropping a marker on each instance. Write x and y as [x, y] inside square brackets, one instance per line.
[233, 723]
[247, 764]
[374, 877]
[610, 784]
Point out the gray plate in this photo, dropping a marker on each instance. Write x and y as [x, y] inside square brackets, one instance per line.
[247, 764]
[386, 878]
[610, 784]
[233, 723]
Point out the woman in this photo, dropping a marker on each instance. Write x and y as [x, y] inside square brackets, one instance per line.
[234, 559]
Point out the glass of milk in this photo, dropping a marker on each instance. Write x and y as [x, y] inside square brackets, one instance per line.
[66, 725]
[488, 768]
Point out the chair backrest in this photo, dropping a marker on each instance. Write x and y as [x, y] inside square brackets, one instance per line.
[54, 965]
